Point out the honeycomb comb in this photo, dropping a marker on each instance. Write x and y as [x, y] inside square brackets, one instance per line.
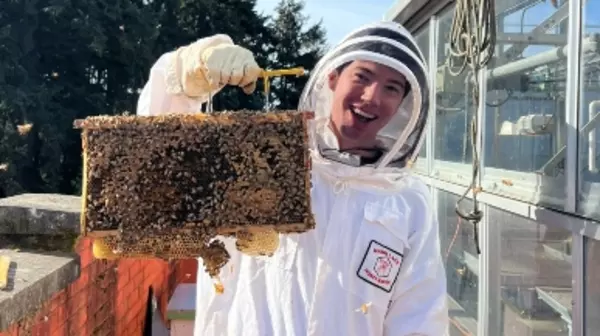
[166, 186]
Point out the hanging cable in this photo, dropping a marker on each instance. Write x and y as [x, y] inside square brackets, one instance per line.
[472, 44]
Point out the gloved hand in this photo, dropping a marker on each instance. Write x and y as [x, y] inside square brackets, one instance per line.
[207, 65]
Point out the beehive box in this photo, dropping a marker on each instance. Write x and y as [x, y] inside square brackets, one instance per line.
[165, 186]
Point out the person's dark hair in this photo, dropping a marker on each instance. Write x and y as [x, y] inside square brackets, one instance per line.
[341, 68]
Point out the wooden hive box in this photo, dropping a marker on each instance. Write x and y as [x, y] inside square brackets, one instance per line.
[165, 186]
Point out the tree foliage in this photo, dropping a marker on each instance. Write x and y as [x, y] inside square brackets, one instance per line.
[61, 60]
[295, 44]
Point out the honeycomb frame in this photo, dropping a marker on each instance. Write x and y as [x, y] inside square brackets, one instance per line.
[166, 186]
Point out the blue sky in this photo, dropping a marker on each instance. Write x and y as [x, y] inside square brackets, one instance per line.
[339, 16]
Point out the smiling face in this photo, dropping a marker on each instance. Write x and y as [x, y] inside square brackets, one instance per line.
[366, 95]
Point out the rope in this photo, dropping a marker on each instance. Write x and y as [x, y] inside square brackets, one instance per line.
[472, 44]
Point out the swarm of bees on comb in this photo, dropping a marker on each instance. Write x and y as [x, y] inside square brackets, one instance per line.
[168, 186]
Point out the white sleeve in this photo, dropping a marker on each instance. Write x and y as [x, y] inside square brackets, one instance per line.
[155, 99]
[419, 304]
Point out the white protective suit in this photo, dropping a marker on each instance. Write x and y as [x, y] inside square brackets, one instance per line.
[372, 266]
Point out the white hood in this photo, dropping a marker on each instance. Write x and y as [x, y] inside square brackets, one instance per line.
[389, 44]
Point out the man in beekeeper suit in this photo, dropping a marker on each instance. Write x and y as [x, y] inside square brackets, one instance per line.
[372, 265]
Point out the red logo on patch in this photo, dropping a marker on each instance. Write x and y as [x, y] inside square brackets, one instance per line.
[380, 266]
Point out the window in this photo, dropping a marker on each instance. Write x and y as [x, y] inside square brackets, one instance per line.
[453, 108]
[524, 127]
[422, 38]
[535, 276]
[592, 286]
[525, 97]
[589, 113]
[525, 121]
[462, 266]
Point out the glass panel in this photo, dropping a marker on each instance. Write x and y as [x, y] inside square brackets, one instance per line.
[422, 38]
[462, 266]
[453, 106]
[589, 113]
[525, 97]
[535, 276]
[592, 287]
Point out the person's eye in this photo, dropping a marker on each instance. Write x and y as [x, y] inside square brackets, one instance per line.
[394, 89]
[361, 77]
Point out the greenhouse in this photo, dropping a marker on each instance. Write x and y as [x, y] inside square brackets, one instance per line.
[534, 268]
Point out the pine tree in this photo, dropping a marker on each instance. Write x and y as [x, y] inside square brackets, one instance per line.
[294, 45]
[64, 60]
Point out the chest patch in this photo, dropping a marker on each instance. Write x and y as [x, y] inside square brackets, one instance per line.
[380, 266]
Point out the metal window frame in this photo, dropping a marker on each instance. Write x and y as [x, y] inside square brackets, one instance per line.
[433, 36]
[577, 225]
[423, 164]
[572, 187]
[522, 186]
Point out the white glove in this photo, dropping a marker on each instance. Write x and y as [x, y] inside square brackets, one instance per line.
[232, 65]
[207, 65]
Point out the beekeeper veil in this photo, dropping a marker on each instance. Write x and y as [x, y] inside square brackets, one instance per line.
[391, 45]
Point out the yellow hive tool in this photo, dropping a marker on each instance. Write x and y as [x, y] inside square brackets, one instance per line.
[267, 74]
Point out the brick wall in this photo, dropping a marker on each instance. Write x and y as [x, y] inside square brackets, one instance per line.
[109, 298]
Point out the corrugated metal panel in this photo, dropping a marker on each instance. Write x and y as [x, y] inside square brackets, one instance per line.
[414, 13]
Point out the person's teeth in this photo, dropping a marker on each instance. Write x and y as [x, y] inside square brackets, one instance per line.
[364, 114]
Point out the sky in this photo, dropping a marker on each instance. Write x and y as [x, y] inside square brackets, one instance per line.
[340, 17]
